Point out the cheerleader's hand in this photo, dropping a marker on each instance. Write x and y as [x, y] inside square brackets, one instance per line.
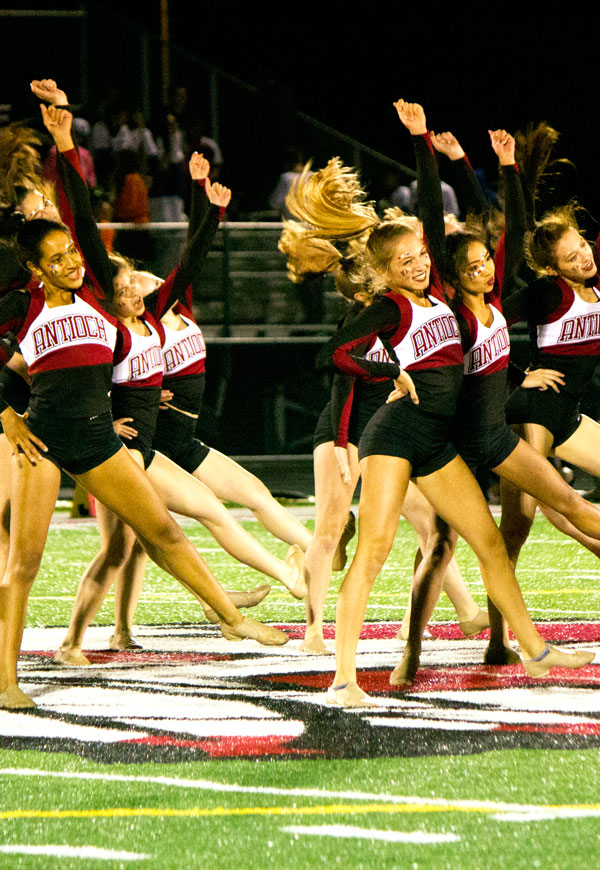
[504, 146]
[541, 379]
[341, 454]
[20, 438]
[447, 143]
[412, 116]
[218, 194]
[58, 123]
[48, 90]
[165, 396]
[403, 386]
[199, 166]
[123, 430]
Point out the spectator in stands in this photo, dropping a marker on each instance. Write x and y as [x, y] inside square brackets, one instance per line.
[294, 162]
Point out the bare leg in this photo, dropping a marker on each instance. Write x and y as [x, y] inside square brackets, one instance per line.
[563, 525]
[187, 495]
[128, 588]
[124, 488]
[421, 516]
[33, 494]
[384, 483]
[333, 499]
[426, 588]
[449, 490]
[5, 464]
[229, 481]
[518, 511]
[528, 470]
[116, 543]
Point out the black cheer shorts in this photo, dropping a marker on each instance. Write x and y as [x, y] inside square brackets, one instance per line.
[78, 444]
[367, 400]
[557, 412]
[175, 438]
[484, 447]
[402, 429]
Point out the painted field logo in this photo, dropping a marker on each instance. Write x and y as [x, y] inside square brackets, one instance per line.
[190, 693]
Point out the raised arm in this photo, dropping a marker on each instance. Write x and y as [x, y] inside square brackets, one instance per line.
[58, 123]
[199, 171]
[187, 273]
[467, 183]
[431, 207]
[510, 251]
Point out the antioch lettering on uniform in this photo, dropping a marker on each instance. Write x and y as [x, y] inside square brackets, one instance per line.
[190, 346]
[73, 327]
[489, 350]
[582, 327]
[143, 363]
[434, 333]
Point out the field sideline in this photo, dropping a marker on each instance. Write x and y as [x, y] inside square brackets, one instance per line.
[217, 754]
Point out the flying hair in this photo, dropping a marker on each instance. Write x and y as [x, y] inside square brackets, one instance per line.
[533, 153]
[305, 253]
[331, 202]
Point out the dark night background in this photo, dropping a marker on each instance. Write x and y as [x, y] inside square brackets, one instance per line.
[471, 70]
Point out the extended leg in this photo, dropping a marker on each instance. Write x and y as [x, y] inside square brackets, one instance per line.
[33, 494]
[229, 481]
[333, 499]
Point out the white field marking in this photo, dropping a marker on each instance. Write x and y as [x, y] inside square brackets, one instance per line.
[418, 837]
[222, 728]
[208, 785]
[86, 852]
[549, 815]
[13, 723]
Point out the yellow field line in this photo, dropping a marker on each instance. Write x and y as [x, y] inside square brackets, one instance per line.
[330, 809]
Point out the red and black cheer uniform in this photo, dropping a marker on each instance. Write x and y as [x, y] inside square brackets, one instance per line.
[564, 335]
[138, 363]
[68, 350]
[184, 365]
[425, 341]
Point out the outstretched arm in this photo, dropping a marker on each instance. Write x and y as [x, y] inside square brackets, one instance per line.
[58, 123]
[468, 186]
[199, 171]
[510, 251]
[431, 206]
[187, 274]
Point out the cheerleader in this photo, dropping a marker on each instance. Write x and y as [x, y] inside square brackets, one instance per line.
[137, 375]
[351, 406]
[67, 338]
[409, 438]
[480, 432]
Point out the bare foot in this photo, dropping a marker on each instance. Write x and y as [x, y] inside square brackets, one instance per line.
[241, 599]
[406, 670]
[71, 656]
[501, 655]
[295, 560]
[14, 699]
[349, 695]
[268, 635]
[315, 646]
[122, 640]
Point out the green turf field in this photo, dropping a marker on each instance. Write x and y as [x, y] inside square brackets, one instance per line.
[559, 579]
[508, 808]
